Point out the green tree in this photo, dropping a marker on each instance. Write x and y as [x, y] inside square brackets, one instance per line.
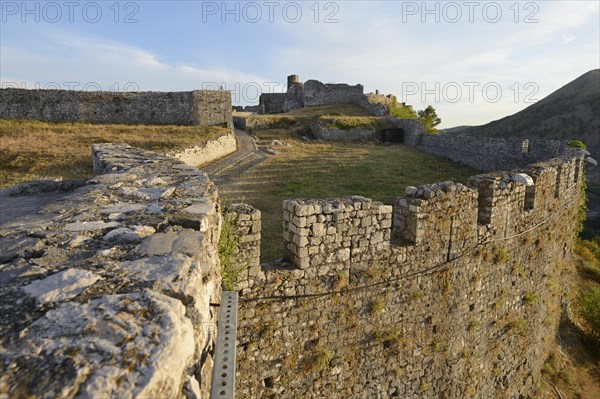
[402, 111]
[430, 119]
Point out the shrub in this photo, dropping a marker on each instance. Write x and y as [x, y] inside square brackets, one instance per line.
[376, 306]
[344, 125]
[589, 251]
[379, 336]
[577, 144]
[517, 326]
[473, 326]
[589, 310]
[402, 111]
[321, 359]
[530, 298]
[500, 255]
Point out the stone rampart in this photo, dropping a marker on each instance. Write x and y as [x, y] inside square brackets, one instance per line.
[199, 107]
[486, 153]
[453, 292]
[108, 292]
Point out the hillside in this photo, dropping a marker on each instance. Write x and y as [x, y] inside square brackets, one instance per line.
[571, 112]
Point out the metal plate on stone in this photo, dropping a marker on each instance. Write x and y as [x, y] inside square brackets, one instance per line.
[223, 380]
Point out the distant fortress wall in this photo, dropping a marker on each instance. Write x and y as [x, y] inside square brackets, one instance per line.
[198, 107]
[308, 94]
[483, 153]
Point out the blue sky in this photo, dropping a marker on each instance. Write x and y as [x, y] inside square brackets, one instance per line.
[474, 61]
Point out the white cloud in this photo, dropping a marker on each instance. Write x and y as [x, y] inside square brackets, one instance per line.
[370, 45]
[93, 63]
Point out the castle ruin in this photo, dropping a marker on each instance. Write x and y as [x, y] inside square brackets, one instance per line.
[452, 291]
[308, 94]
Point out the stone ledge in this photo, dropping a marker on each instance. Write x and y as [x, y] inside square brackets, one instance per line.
[107, 291]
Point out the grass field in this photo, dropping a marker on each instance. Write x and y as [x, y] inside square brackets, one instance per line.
[32, 150]
[320, 169]
[344, 116]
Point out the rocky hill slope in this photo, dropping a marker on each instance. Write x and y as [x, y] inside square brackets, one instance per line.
[571, 112]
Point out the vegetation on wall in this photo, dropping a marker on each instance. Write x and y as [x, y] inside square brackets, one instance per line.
[402, 111]
[229, 242]
[577, 144]
[583, 208]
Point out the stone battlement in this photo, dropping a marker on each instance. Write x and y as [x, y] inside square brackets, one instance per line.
[450, 291]
[442, 220]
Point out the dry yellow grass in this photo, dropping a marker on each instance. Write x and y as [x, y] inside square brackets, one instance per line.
[31, 150]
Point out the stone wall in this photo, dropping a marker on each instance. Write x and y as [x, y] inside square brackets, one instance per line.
[317, 93]
[271, 103]
[247, 108]
[321, 130]
[209, 152]
[255, 122]
[199, 107]
[413, 129]
[486, 153]
[108, 292]
[455, 292]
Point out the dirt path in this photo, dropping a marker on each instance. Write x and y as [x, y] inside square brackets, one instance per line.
[229, 168]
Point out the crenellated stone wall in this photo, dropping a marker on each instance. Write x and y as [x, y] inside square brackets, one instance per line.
[453, 292]
[109, 291]
[199, 107]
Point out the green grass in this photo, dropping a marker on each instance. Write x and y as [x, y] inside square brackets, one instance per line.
[351, 122]
[32, 150]
[331, 170]
[342, 116]
[324, 110]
